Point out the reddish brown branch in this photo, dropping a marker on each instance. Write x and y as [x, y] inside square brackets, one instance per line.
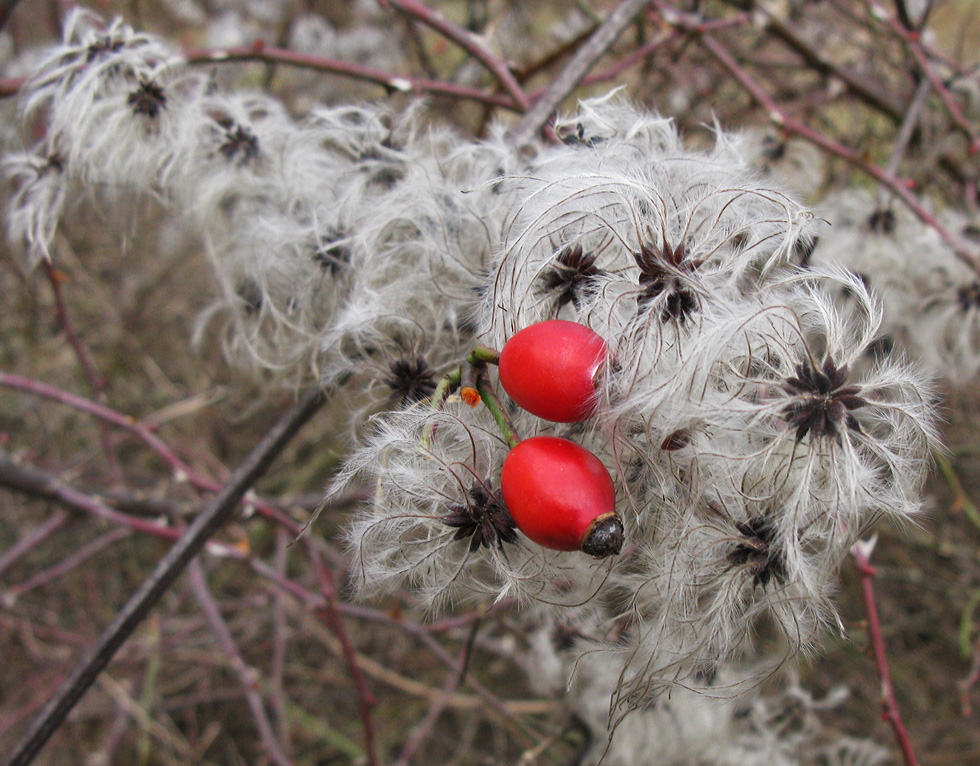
[39, 484]
[6, 8]
[914, 44]
[36, 483]
[33, 538]
[889, 706]
[972, 679]
[422, 730]
[366, 699]
[469, 43]
[66, 565]
[869, 92]
[10, 86]
[781, 118]
[144, 434]
[391, 82]
[277, 669]
[96, 382]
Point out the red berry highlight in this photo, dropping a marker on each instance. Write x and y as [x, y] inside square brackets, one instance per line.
[549, 369]
[562, 497]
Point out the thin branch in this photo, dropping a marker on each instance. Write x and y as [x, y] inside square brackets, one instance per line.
[145, 434]
[871, 93]
[971, 680]
[537, 116]
[37, 483]
[66, 565]
[470, 43]
[280, 637]
[889, 706]
[909, 124]
[781, 118]
[952, 108]
[32, 539]
[96, 382]
[10, 86]
[366, 699]
[424, 637]
[422, 730]
[391, 82]
[215, 513]
[246, 675]
[512, 710]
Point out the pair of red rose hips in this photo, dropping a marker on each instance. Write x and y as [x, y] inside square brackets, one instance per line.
[559, 494]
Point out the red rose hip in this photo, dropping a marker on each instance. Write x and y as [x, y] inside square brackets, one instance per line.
[549, 369]
[562, 497]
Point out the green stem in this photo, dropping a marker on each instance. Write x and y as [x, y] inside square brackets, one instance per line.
[966, 623]
[965, 503]
[489, 397]
[482, 355]
[448, 384]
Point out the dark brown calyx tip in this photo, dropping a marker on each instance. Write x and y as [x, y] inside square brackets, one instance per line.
[604, 537]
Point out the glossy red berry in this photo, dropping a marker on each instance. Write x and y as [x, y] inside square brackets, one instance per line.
[561, 496]
[549, 369]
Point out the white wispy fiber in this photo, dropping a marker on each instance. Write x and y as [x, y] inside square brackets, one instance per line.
[931, 299]
[435, 521]
[700, 723]
[751, 431]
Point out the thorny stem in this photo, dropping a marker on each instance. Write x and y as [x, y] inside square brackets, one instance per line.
[212, 516]
[889, 706]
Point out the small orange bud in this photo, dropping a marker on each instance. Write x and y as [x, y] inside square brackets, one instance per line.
[470, 395]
